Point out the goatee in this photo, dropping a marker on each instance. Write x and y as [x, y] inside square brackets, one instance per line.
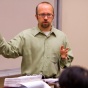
[45, 25]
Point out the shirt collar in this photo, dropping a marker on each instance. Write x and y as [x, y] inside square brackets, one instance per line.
[53, 31]
[36, 31]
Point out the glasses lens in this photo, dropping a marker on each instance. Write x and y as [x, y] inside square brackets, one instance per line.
[43, 15]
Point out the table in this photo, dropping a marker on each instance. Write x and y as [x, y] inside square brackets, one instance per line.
[10, 73]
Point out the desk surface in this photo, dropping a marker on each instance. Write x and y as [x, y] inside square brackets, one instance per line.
[2, 79]
[10, 73]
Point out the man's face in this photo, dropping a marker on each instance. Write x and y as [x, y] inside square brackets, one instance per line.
[45, 15]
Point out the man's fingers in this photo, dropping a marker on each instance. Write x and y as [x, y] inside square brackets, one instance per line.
[64, 49]
[67, 49]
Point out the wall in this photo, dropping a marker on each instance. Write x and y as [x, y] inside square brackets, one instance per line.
[15, 16]
[74, 22]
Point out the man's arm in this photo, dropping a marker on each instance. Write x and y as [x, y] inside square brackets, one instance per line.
[10, 49]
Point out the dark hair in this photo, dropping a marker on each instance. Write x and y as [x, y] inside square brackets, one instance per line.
[74, 77]
[42, 3]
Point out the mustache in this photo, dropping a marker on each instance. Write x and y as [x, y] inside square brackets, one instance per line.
[45, 21]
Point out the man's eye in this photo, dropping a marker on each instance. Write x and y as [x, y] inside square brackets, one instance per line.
[48, 14]
[43, 14]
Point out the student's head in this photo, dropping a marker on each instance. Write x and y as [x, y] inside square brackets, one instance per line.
[44, 14]
[74, 77]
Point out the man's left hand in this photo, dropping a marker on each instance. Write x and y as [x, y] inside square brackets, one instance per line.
[63, 52]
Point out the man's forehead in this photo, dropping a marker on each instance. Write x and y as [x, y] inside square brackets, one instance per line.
[44, 8]
[44, 5]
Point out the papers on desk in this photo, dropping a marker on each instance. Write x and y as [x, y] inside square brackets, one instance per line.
[51, 80]
[16, 81]
[36, 84]
[35, 81]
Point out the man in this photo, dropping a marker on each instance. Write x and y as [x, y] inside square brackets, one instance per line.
[44, 49]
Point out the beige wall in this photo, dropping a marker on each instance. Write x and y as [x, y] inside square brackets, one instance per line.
[75, 25]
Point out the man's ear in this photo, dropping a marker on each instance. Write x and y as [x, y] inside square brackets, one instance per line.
[36, 16]
[53, 16]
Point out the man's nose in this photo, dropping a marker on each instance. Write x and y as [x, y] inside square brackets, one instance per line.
[45, 17]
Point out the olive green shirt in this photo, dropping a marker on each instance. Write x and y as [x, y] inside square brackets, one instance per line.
[40, 53]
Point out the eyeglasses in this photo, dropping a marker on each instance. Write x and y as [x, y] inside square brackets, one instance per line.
[48, 15]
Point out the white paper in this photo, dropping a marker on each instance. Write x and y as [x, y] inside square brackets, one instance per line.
[36, 84]
[51, 80]
[34, 81]
[15, 82]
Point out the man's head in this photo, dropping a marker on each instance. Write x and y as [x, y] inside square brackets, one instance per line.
[74, 77]
[44, 15]
[43, 3]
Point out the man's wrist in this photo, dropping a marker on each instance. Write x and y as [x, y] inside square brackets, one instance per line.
[64, 57]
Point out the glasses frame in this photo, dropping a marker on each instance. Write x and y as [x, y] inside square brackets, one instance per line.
[44, 15]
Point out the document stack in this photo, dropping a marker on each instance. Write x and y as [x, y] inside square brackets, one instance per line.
[26, 82]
